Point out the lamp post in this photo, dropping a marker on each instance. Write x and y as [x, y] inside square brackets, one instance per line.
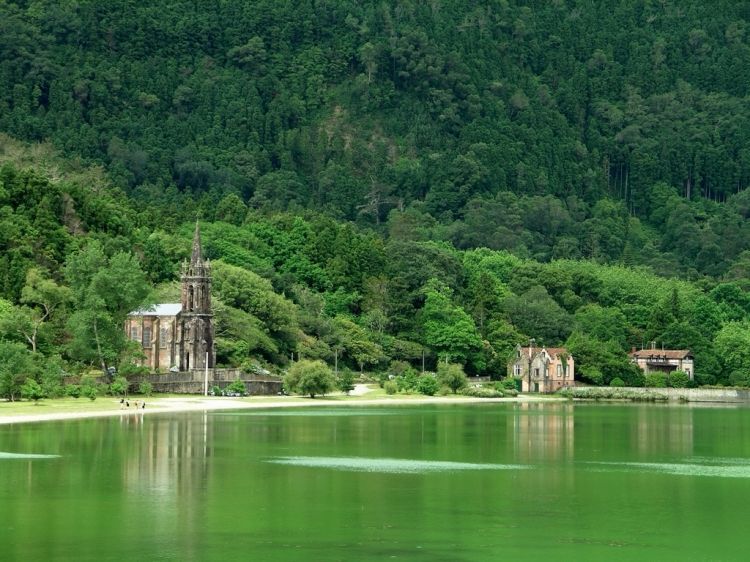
[532, 341]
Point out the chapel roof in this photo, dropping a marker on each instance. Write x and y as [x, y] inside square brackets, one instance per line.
[162, 309]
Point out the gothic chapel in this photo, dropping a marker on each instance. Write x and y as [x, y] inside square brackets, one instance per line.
[179, 336]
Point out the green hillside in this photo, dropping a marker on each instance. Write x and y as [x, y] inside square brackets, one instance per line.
[552, 129]
[379, 182]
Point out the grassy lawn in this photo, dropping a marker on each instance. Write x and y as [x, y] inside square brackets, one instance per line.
[60, 405]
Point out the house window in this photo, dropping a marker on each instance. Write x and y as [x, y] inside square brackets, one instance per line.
[134, 333]
[559, 371]
[163, 337]
[536, 372]
[517, 370]
[146, 337]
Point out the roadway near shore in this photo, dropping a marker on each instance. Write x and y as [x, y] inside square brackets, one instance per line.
[362, 395]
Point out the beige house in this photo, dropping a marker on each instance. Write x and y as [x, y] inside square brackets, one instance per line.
[664, 360]
[542, 369]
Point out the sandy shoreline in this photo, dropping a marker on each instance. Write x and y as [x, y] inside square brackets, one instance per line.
[201, 404]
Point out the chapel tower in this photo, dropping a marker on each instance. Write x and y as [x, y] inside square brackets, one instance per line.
[196, 318]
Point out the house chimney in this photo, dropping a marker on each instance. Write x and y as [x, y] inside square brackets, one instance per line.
[653, 344]
[632, 349]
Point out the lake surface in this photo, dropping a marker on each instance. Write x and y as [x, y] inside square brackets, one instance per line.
[552, 481]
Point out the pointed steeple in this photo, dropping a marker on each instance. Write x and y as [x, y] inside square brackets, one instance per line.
[196, 257]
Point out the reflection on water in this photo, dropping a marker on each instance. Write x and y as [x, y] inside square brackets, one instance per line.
[489, 481]
[403, 466]
[719, 469]
[28, 456]
[543, 432]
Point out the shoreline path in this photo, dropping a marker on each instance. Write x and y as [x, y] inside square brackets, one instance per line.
[199, 403]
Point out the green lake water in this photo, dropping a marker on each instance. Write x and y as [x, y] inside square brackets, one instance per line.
[550, 481]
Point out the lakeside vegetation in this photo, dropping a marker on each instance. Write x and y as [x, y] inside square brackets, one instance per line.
[381, 186]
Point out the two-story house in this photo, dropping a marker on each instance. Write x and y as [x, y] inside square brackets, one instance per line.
[542, 369]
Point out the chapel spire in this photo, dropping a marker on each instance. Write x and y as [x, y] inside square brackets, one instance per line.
[197, 256]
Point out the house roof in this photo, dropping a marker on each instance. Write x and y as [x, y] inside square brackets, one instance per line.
[665, 353]
[552, 351]
[163, 309]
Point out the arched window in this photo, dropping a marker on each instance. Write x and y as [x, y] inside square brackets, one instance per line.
[190, 298]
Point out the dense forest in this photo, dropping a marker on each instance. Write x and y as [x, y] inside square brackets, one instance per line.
[380, 181]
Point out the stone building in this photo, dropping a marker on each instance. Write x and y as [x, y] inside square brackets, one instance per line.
[664, 360]
[542, 369]
[179, 336]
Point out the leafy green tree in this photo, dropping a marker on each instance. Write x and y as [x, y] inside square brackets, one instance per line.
[447, 327]
[452, 376]
[345, 381]
[309, 377]
[104, 290]
[16, 365]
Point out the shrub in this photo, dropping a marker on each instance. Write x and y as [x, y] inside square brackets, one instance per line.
[32, 390]
[390, 387]
[408, 380]
[131, 369]
[89, 392]
[237, 387]
[678, 379]
[216, 391]
[428, 385]
[617, 382]
[73, 390]
[452, 376]
[482, 392]
[656, 380]
[605, 393]
[508, 383]
[146, 388]
[345, 381]
[119, 386]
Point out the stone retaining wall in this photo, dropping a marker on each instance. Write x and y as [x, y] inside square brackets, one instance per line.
[698, 394]
[191, 382]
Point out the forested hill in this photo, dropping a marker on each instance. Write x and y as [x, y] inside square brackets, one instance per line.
[617, 131]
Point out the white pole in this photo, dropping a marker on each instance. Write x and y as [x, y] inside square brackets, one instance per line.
[205, 380]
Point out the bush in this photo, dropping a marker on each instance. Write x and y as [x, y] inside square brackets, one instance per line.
[508, 383]
[444, 391]
[236, 387]
[604, 393]
[617, 382]
[146, 388]
[309, 377]
[428, 385]
[32, 390]
[482, 392]
[119, 386]
[407, 381]
[131, 369]
[89, 392]
[678, 379]
[510, 392]
[656, 380]
[345, 381]
[73, 390]
[390, 387]
[452, 376]
[216, 391]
